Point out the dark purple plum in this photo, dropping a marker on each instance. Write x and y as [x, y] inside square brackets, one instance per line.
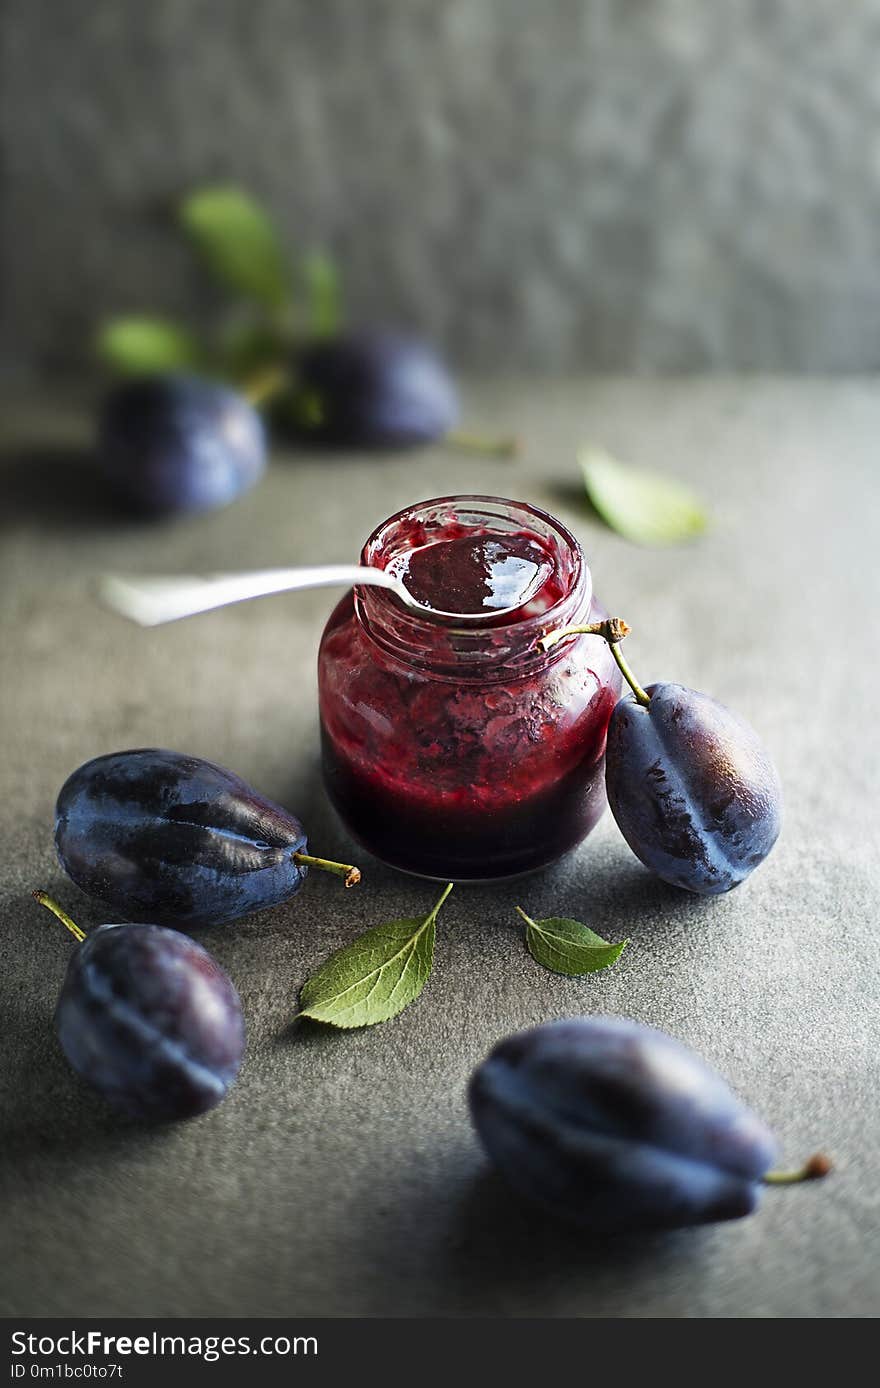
[691, 787]
[149, 1019]
[177, 443]
[164, 837]
[371, 389]
[614, 1126]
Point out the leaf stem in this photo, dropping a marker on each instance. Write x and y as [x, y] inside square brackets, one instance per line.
[46, 900]
[813, 1169]
[528, 920]
[613, 629]
[436, 911]
[490, 447]
[351, 873]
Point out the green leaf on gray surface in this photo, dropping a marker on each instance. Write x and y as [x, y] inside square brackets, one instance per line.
[644, 507]
[238, 242]
[139, 345]
[567, 947]
[376, 976]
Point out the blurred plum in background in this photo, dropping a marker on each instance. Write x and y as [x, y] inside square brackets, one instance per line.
[173, 443]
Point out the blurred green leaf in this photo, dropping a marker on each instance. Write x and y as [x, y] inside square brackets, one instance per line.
[644, 507]
[238, 242]
[323, 295]
[139, 345]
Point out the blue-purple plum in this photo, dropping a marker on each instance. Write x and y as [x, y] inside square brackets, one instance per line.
[173, 839]
[177, 443]
[371, 389]
[151, 1021]
[614, 1126]
[692, 788]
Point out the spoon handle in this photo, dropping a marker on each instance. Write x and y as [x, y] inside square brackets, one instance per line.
[151, 601]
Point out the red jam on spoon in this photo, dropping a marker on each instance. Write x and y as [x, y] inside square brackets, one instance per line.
[476, 573]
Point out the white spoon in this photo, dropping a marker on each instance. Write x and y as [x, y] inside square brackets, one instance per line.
[150, 601]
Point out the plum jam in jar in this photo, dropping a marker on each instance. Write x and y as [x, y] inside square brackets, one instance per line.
[452, 747]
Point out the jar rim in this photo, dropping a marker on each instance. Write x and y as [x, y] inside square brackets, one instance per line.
[475, 621]
[444, 641]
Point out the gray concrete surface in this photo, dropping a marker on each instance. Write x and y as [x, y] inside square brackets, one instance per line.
[657, 184]
[341, 1176]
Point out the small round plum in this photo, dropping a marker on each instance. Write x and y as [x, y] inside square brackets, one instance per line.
[151, 1021]
[177, 443]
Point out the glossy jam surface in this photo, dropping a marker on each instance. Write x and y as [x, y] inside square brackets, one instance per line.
[479, 573]
[466, 756]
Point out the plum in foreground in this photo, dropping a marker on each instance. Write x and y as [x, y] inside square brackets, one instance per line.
[148, 1019]
[614, 1126]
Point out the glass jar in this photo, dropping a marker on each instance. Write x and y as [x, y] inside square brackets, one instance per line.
[454, 748]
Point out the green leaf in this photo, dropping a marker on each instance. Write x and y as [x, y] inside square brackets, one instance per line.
[238, 242]
[376, 976]
[567, 947]
[645, 507]
[323, 295]
[141, 345]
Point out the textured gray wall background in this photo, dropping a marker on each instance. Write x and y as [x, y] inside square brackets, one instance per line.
[614, 184]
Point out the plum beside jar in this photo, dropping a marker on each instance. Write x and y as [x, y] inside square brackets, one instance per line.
[452, 747]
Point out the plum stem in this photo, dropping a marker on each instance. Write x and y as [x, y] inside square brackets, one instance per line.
[817, 1166]
[45, 900]
[613, 629]
[264, 385]
[351, 874]
[638, 691]
[489, 447]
